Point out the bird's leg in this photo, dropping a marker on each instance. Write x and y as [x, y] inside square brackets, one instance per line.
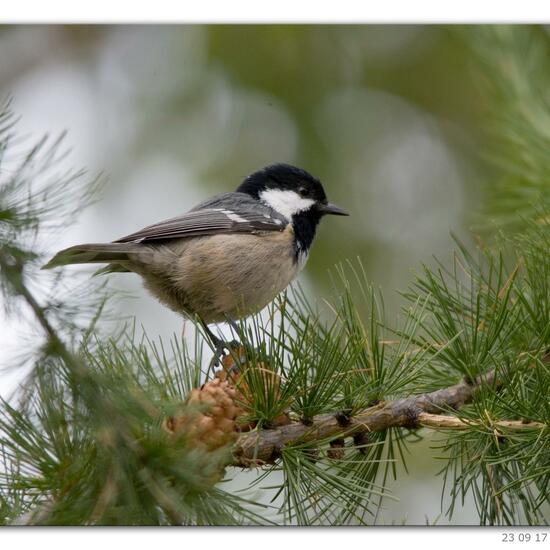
[219, 346]
[218, 343]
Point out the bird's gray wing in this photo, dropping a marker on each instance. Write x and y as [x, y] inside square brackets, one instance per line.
[228, 213]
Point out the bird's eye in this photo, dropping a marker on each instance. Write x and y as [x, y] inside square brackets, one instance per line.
[304, 192]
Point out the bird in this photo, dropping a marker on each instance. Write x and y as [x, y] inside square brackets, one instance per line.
[229, 256]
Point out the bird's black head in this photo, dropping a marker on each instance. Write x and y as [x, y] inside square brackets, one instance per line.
[295, 194]
[290, 191]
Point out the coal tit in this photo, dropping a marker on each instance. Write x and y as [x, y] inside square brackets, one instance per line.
[229, 256]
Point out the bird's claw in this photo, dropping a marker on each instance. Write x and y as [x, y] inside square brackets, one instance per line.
[220, 352]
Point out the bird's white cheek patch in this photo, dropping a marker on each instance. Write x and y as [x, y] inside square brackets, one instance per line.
[285, 202]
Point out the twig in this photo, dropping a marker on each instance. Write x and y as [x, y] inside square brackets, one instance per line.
[428, 420]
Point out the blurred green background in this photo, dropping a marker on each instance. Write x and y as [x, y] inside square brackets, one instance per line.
[390, 118]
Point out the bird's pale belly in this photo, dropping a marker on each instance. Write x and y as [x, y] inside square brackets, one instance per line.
[221, 276]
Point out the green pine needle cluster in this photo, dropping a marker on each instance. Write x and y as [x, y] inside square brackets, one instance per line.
[489, 316]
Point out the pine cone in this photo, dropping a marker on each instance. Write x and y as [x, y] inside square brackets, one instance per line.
[208, 422]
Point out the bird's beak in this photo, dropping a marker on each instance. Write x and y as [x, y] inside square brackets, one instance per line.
[330, 208]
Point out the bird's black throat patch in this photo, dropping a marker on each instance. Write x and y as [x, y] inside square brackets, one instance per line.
[304, 225]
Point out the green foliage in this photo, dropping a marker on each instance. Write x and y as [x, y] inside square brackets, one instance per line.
[514, 68]
[324, 368]
[482, 318]
[472, 317]
[90, 447]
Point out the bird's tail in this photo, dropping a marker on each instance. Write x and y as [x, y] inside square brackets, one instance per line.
[94, 253]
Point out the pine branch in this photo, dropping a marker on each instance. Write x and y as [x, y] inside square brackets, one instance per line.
[411, 412]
